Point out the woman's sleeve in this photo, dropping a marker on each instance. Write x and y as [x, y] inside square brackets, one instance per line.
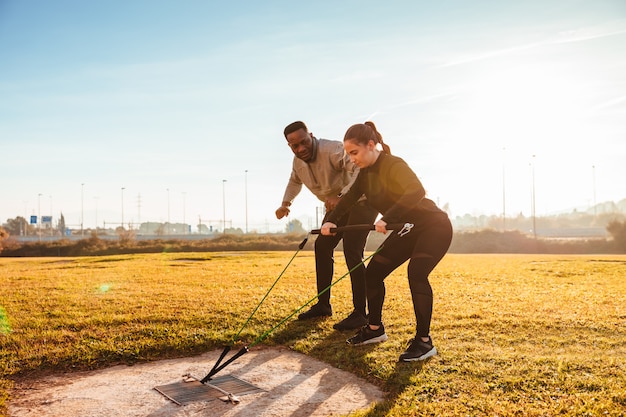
[402, 178]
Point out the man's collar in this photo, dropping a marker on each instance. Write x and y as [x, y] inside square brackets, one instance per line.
[315, 143]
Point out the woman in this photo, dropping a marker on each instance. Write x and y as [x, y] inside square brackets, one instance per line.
[393, 189]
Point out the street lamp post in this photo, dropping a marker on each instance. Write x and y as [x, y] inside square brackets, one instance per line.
[82, 208]
[24, 223]
[184, 213]
[39, 215]
[533, 213]
[593, 173]
[96, 199]
[503, 190]
[168, 211]
[51, 232]
[246, 190]
[139, 209]
[123, 188]
[224, 206]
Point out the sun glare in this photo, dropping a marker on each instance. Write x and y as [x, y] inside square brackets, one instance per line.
[522, 116]
[530, 108]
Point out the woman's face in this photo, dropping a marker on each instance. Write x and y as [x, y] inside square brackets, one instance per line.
[361, 155]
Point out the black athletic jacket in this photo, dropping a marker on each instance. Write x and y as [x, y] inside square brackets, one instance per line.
[393, 189]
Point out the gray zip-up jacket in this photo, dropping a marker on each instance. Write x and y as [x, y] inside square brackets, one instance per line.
[328, 174]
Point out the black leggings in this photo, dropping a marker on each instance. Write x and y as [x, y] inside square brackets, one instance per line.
[424, 247]
[353, 245]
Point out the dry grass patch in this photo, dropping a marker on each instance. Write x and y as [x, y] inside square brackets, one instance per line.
[518, 335]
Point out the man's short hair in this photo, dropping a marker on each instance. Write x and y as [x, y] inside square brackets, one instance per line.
[295, 126]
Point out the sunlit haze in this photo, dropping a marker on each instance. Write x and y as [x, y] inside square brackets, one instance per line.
[174, 110]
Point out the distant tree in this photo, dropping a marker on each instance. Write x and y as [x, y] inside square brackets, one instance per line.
[61, 225]
[294, 226]
[125, 235]
[617, 230]
[16, 227]
[3, 235]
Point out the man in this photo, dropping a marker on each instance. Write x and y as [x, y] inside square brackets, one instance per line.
[324, 168]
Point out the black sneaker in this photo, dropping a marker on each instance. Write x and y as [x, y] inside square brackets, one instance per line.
[318, 310]
[366, 336]
[355, 320]
[418, 350]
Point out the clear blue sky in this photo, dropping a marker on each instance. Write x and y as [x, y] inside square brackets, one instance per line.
[167, 99]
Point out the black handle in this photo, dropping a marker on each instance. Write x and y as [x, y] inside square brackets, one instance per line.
[357, 227]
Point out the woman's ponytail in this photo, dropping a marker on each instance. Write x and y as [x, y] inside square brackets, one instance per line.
[379, 137]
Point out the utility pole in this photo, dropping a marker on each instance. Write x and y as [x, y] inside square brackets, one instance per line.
[246, 191]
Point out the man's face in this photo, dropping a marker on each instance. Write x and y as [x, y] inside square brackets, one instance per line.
[301, 144]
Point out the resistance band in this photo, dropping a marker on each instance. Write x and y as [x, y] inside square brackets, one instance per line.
[403, 229]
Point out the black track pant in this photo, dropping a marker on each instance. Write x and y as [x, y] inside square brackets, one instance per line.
[424, 247]
[353, 245]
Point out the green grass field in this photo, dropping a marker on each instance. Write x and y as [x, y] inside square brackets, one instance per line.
[517, 334]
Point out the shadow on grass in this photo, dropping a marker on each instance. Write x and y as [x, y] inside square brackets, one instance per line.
[312, 337]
